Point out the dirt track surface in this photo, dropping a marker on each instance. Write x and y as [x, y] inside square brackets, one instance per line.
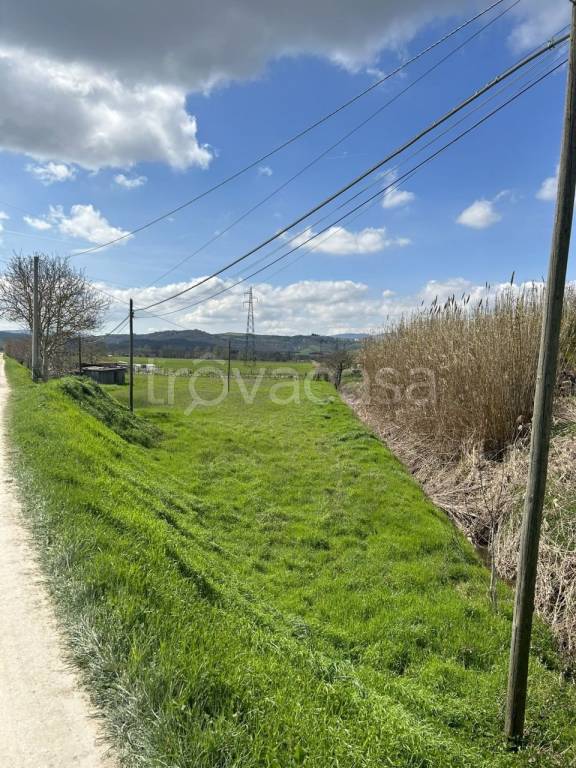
[45, 720]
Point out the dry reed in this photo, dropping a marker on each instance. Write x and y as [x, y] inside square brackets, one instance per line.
[467, 440]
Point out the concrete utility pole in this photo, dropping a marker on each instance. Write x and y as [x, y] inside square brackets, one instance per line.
[131, 355]
[542, 417]
[36, 373]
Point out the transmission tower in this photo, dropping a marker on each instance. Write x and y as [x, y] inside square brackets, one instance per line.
[250, 341]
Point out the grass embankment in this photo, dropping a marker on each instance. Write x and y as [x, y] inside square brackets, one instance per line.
[267, 587]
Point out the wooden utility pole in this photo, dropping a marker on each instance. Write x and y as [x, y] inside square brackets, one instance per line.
[131, 355]
[36, 374]
[229, 356]
[542, 418]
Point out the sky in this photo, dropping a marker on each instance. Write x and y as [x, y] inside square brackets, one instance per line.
[111, 118]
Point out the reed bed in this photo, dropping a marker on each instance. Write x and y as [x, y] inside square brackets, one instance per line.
[451, 388]
[458, 375]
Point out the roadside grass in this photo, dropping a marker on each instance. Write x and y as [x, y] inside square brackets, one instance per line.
[267, 587]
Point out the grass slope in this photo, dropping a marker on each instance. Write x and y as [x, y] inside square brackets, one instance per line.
[267, 587]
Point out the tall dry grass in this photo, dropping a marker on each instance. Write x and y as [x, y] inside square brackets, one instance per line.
[464, 431]
[458, 375]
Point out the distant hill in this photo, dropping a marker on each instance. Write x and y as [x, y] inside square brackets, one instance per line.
[196, 343]
[10, 335]
[351, 336]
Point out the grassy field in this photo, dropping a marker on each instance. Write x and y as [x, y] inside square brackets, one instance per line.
[194, 364]
[264, 586]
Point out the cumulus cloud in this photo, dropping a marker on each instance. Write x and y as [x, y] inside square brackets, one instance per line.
[50, 172]
[393, 197]
[339, 241]
[39, 224]
[480, 215]
[130, 182]
[194, 47]
[548, 188]
[77, 114]
[539, 20]
[3, 217]
[265, 170]
[87, 223]
[307, 306]
[108, 88]
[83, 222]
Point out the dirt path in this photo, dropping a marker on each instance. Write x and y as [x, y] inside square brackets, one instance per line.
[44, 719]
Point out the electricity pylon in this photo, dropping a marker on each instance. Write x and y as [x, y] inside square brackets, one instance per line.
[250, 341]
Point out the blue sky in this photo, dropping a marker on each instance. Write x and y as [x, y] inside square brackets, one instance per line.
[101, 145]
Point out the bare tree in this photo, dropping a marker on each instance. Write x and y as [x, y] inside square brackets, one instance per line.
[69, 304]
[20, 349]
[337, 362]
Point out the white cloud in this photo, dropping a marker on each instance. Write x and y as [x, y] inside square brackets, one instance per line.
[265, 170]
[3, 217]
[480, 215]
[81, 115]
[539, 20]
[84, 222]
[393, 197]
[339, 241]
[39, 224]
[108, 88]
[130, 182]
[50, 172]
[548, 188]
[307, 306]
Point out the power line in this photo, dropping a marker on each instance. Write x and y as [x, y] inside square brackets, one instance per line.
[36, 236]
[431, 127]
[379, 193]
[342, 139]
[116, 329]
[392, 170]
[293, 138]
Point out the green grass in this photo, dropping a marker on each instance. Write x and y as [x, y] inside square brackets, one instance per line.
[193, 364]
[95, 401]
[268, 588]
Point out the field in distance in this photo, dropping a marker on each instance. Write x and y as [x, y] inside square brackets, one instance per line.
[193, 364]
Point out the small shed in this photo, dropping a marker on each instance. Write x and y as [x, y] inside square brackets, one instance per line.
[105, 374]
